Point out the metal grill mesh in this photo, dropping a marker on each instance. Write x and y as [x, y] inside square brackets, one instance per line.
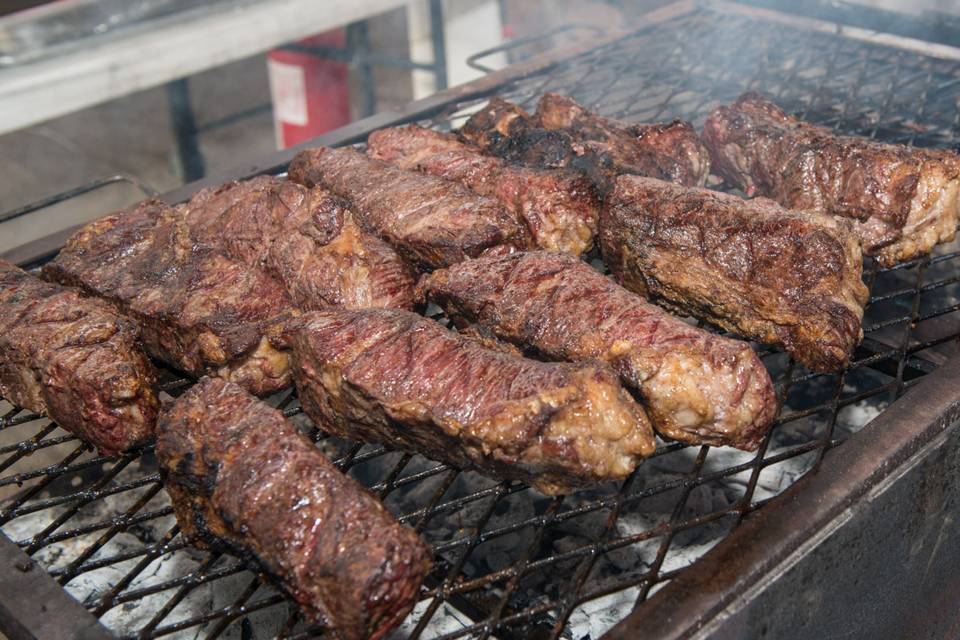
[509, 561]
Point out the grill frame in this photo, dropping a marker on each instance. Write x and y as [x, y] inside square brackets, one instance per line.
[886, 444]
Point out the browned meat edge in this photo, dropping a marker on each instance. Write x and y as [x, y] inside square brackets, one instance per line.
[242, 478]
[73, 359]
[788, 278]
[401, 379]
[902, 201]
[559, 208]
[432, 222]
[698, 387]
[196, 309]
[564, 134]
[307, 239]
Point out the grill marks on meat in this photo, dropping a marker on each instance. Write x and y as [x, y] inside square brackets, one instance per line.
[398, 378]
[197, 309]
[430, 221]
[559, 208]
[698, 387]
[789, 278]
[306, 238]
[73, 359]
[243, 478]
[903, 201]
[564, 134]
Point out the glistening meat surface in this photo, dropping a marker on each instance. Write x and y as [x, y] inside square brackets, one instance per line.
[698, 387]
[558, 207]
[306, 238]
[901, 200]
[242, 478]
[75, 360]
[196, 309]
[782, 277]
[401, 379]
[430, 221]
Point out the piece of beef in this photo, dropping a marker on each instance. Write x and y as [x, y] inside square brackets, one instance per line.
[698, 387]
[902, 201]
[398, 378]
[782, 277]
[197, 309]
[243, 478]
[558, 207]
[432, 222]
[564, 134]
[305, 238]
[74, 360]
[669, 151]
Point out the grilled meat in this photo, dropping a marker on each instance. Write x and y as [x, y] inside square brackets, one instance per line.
[73, 359]
[558, 208]
[430, 221]
[789, 278]
[242, 478]
[564, 134]
[698, 387]
[305, 238]
[396, 377]
[197, 309]
[667, 151]
[902, 201]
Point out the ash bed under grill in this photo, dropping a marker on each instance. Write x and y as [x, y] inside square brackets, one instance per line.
[510, 562]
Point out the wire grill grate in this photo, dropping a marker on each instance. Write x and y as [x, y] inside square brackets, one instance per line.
[511, 562]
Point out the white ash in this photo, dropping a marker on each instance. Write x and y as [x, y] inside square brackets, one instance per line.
[628, 563]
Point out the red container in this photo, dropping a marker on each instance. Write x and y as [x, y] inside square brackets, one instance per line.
[311, 95]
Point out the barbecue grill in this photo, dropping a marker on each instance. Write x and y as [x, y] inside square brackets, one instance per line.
[864, 533]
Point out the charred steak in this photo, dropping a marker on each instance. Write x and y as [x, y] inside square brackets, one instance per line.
[197, 309]
[242, 478]
[788, 278]
[902, 201]
[305, 238]
[564, 134]
[398, 378]
[558, 207]
[698, 387]
[74, 360]
[432, 222]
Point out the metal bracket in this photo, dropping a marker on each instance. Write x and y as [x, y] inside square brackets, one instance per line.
[29, 596]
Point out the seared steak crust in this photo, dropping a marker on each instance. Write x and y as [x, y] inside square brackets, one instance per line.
[789, 278]
[902, 201]
[305, 238]
[430, 221]
[197, 309]
[564, 134]
[242, 478]
[399, 378]
[698, 387]
[73, 359]
[559, 208]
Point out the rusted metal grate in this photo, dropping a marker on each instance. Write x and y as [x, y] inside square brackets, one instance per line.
[510, 562]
